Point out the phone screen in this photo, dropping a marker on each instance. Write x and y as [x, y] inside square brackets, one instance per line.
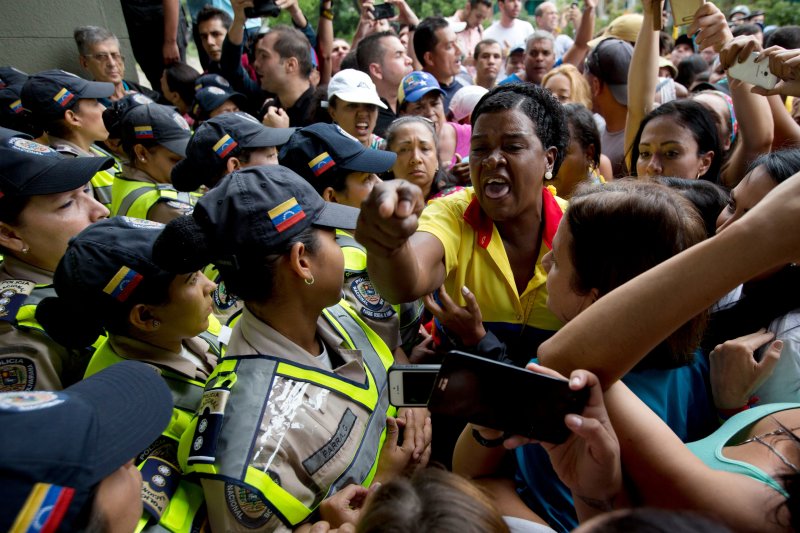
[417, 387]
[504, 397]
[383, 11]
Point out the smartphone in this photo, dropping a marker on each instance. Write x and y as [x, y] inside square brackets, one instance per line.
[508, 398]
[683, 10]
[262, 8]
[411, 385]
[756, 73]
[383, 11]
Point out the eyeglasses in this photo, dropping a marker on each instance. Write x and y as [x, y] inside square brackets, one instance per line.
[106, 57]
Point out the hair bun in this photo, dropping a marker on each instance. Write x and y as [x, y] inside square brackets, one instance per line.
[182, 246]
[66, 325]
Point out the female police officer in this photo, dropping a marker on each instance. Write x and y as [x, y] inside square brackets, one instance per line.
[107, 282]
[298, 408]
[44, 201]
[154, 137]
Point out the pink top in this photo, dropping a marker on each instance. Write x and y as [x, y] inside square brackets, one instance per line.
[463, 135]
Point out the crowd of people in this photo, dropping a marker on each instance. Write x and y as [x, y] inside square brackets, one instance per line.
[205, 282]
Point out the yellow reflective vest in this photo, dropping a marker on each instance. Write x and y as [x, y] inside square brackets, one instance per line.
[239, 391]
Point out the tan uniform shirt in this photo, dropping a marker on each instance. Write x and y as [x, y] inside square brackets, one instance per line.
[29, 359]
[136, 350]
[302, 424]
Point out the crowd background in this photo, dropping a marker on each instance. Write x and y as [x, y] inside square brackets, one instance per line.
[582, 190]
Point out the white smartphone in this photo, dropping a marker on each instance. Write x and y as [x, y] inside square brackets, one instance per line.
[756, 73]
[411, 385]
[683, 10]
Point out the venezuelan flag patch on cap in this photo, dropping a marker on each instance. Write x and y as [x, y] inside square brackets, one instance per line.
[16, 106]
[44, 509]
[321, 163]
[143, 132]
[122, 284]
[225, 145]
[286, 214]
[63, 97]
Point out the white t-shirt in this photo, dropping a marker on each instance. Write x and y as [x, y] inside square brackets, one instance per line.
[514, 35]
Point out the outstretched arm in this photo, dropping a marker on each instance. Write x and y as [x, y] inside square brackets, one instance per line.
[403, 263]
[650, 307]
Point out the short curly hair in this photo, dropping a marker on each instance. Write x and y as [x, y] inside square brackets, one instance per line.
[546, 113]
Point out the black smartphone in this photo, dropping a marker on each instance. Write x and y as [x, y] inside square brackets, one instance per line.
[411, 385]
[505, 397]
[262, 8]
[383, 11]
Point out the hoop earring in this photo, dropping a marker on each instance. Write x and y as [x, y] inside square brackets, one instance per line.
[309, 281]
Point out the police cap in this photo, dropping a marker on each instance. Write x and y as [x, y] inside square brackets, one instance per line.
[218, 139]
[322, 153]
[50, 93]
[58, 446]
[28, 168]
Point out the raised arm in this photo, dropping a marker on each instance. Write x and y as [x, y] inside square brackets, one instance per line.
[577, 52]
[325, 40]
[752, 111]
[650, 307]
[404, 264]
[642, 77]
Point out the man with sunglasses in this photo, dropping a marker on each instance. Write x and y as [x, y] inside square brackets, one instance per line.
[101, 57]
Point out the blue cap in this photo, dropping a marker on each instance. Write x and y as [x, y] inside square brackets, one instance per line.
[28, 168]
[415, 85]
[50, 93]
[64, 443]
[208, 99]
[159, 123]
[322, 153]
[218, 139]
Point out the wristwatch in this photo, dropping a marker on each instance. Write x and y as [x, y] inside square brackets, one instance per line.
[488, 443]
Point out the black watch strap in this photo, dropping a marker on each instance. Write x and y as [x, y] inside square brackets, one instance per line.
[488, 443]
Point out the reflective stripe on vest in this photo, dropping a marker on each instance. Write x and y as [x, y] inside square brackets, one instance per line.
[103, 180]
[186, 505]
[135, 198]
[246, 383]
[355, 255]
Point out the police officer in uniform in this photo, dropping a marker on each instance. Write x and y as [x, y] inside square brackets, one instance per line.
[66, 106]
[44, 201]
[297, 408]
[218, 147]
[343, 171]
[107, 283]
[154, 137]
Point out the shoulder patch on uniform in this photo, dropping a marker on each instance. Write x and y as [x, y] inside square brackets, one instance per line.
[222, 300]
[17, 374]
[185, 209]
[142, 223]
[374, 306]
[160, 475]
[13, 293]
[246, 506]
[30, 401]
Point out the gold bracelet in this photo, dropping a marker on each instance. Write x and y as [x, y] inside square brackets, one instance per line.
[326, 13]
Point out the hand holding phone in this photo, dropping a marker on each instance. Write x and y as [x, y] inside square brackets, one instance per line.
[754, 73]
[505, 397]
[383, 11]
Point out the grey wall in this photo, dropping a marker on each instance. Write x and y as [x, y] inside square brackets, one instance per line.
[37, 34]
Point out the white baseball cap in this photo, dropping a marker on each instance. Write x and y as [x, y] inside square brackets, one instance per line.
[354, 86]
[465, 100]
